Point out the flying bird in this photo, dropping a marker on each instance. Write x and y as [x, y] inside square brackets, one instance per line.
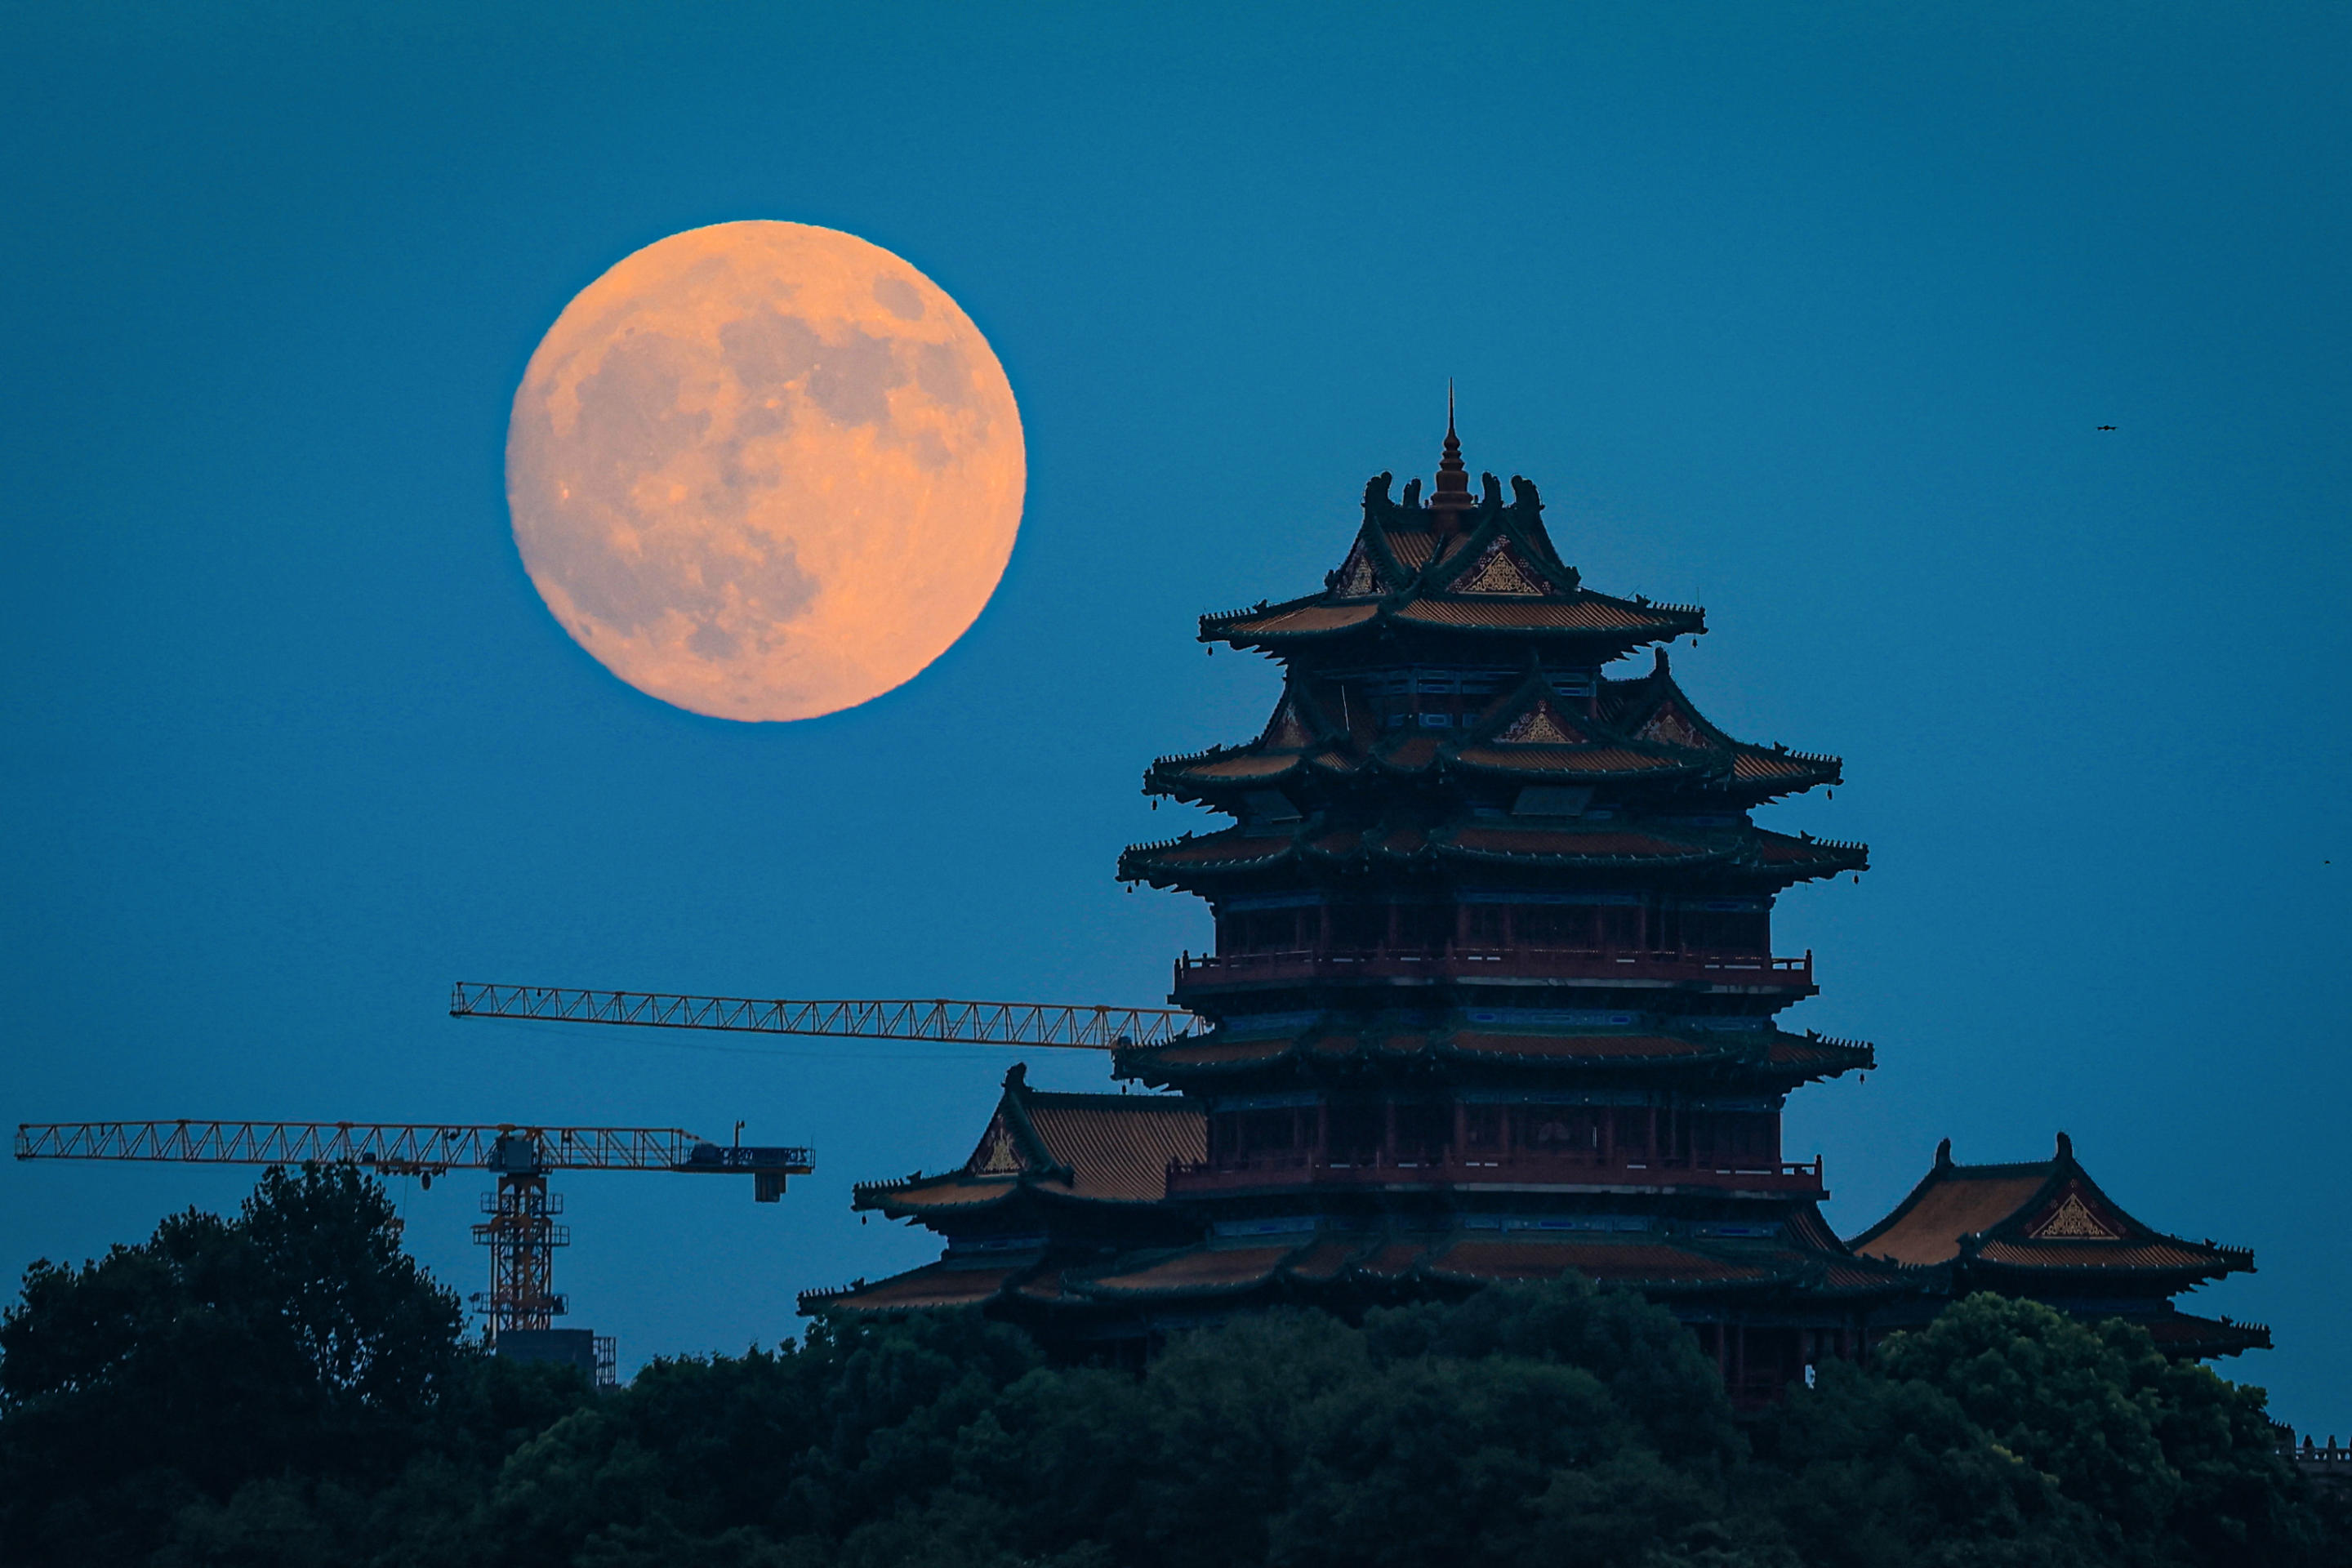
[2106, 426]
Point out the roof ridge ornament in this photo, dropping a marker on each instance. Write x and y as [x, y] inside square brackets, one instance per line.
[1451, 497]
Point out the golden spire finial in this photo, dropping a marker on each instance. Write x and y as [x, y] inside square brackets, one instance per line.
[1452, 492]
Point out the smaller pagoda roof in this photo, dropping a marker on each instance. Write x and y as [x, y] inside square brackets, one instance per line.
[1462, 1038]
[1214, 1269]
[2043, 1220]
[1476, 568]
[932, 1287]
[1074, 1148]
[1644, 731]
[1465, 840]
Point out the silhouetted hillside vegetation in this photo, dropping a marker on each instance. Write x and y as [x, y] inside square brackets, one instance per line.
[287, 1388]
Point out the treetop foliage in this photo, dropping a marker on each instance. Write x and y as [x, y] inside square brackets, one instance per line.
[287, 1388]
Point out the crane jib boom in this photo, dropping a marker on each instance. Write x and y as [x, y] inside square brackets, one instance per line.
[406, 1148]
[1074, 1026]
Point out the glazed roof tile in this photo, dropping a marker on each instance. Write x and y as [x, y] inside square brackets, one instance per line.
[1579, 1047]
[937, 1196]
[1242, 765]
[1118, 1147]
[1199, 1271]
[1793, 1058]
[1559, 843]
[2154, 1254]
[933, 1286]
[1595, 614]
[1931, 1231]
[1564, 759]
[2185, 1334]
[1649, 1263]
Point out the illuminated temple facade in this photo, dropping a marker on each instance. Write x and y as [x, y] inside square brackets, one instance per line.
[1493, 997]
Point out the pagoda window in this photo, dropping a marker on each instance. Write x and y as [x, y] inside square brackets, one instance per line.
[1553, 926]
[1355, 1134]
[1225, 1136]
[1483, 1129]
[1485, 927]
[1632, 1136]
[1740, 1138]
[1268, 1132]
[1265, 930]
[1621, 926]
[1555, 1131]
[1420, 927]
[1720, 931]
[1359, 927]
[1425, 1132]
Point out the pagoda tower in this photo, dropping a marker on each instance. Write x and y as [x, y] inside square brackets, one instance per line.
[1493, 968]
[1492, 997]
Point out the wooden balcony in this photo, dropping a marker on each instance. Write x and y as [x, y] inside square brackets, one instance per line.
[1293, 1168]
[1741, 971]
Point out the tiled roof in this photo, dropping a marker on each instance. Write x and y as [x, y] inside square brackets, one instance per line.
[1244, 765]
[933, 1286]
[937, 1194]
[1212, 1051]
[1758, 765]
[1305, 618]
[1412, 546]
[1118, 1147]
[1595, 614]
[1564, 759]
[2158, 1253]
[1618, 1262]
[1810, 1051]
[2185, 1334]
[1554, 844]
[1227, 848]
[1390, 1259]
[2045, 1215]
[1596, 1047]
[1199, 1270]
[1931, 1231]
[1413, 753]
[1323, 1260]
[1794, 1058]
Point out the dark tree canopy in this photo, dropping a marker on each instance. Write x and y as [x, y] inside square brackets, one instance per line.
[287, 1388]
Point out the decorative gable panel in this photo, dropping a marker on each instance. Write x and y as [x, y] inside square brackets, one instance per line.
[1541, 725]
[2073, 1220]
[1285, 729]
[1355, 579]
[1500, 571]
[1672, 727]
[999, 1154]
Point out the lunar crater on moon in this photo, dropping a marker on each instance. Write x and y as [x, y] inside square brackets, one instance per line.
[764, 471]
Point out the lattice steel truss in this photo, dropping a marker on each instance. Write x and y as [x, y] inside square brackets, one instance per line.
[520, 1232]
[1074, 1026]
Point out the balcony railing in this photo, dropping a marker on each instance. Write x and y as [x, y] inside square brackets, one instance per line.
[1451, 963]
[1299, 1167]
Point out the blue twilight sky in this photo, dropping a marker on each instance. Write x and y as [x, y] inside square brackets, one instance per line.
[1807, 313]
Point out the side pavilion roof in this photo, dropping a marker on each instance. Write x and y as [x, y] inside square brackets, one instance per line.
[2044, 1221]
[1110, 1149]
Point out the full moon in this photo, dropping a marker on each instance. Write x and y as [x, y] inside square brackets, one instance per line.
[764, 471]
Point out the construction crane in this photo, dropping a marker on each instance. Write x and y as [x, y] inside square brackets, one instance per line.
[1074, 1026]
[520, 1230]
